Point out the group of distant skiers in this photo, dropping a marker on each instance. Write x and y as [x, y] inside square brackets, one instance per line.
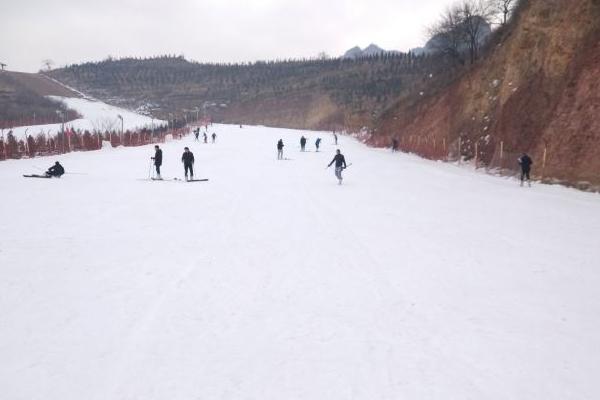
[338, 159]
[317, 143]
[204, 135]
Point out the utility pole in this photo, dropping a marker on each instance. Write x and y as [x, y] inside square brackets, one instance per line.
[62, 129]
[122, 132]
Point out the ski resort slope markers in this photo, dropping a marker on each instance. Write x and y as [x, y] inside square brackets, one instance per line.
[412, 280]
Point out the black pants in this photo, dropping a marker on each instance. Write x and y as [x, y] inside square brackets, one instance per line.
[188, 167]
[157, 166]
[525, 174]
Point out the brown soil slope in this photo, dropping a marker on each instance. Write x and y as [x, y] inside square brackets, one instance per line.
[22, 100]
[538, 89]
[41, 84]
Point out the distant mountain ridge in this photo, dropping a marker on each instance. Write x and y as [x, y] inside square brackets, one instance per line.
[370, 50]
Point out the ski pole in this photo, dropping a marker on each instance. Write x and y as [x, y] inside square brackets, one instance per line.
[150, 170]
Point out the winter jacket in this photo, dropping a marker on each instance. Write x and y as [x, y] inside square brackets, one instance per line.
[525, 162]
[339, 161]
[158, 157]
[187, 157]
[56, 170]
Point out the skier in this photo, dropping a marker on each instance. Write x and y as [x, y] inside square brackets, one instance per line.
[157, 160]
[214, 137]
[394, 145]
[56, 170]
[197, 133]
[302, 143]
[188, 163]
[525, 162]
[205, 138]
[340, 165]
[335, 138]
[280, 149]
[318, 143]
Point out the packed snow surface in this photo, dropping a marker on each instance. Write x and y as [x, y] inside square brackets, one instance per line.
[412, 280]
[96, 117]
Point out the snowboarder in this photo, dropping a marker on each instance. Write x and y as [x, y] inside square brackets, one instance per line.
[157, 160]
[280, 149]
[205, 138]
[394, 145]
[335, 138]
[525, 162]
[188, 163]
[56, 170]
[318, 143]
[340, 165]
[302, 143]
[214, 137]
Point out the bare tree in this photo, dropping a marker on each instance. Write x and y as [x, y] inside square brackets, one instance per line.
[446, 36]
[503, 9]
[48, 63]
[462, 28]
[475, 16]
[323, 56]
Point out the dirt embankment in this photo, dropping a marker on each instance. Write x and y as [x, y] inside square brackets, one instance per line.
[536, 91]
[41, 84]
[23, 101]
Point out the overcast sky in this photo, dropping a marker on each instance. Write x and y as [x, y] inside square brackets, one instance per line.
[73, 31]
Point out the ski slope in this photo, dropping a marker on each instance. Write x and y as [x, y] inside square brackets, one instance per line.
[412, 280]
[96, 116]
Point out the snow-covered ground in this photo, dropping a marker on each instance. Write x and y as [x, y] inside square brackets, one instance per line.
[96, 117]
[413, 280]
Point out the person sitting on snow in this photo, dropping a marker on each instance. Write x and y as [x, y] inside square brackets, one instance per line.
[56, 170]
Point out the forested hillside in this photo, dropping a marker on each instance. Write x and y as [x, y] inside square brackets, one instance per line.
[324, 93]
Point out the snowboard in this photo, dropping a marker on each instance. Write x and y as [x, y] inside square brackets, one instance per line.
[37, 176]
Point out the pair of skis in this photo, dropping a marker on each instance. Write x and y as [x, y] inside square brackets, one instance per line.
[180, 180]
[38, 176]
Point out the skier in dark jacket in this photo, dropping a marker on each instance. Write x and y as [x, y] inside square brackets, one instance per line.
[525, 162]
[214, 137]
[340, 165]
[157, 160]
[302, 143]
[280, 149]
[188, 163]
[56, 170]
[335, 138]
[318, 143]
[205, 138]
[197, 133]
[394, 145]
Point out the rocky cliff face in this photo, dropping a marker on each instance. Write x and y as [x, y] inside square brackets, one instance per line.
[537, 90]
